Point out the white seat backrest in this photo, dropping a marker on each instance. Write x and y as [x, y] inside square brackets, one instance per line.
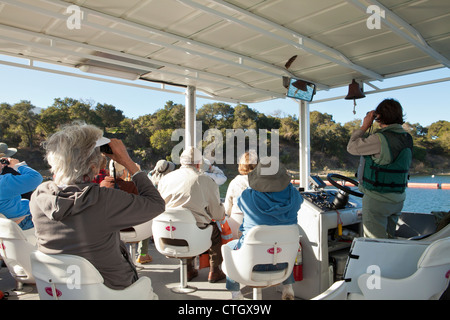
[271, 244]
[263, 245]
[63, 269]
[180, 215]
[70, 277]
[11, 230]
[180, 224]
[137, 233]
[15, 249]
[436, 254]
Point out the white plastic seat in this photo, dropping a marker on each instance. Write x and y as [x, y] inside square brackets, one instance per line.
[15, 248]
[176, 235]
[135, 234]
[262, 245]
[70, 277]
[338, 291]
[429, 281]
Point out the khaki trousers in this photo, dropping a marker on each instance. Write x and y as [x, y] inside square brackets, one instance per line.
[380, 218]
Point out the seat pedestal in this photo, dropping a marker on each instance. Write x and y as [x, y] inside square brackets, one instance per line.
[20, 289]
[133, 253]
[257, 293]
[183, 288]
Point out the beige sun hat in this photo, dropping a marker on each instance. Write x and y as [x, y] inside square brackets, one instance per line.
[269, 175]
[5, 151]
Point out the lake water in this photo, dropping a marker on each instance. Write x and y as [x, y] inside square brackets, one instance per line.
[417, 200]
[427, 200]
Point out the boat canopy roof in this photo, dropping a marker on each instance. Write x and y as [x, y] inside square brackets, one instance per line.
[234, 50]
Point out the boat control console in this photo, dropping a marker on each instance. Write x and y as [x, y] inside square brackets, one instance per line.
[325, 200]
[329, 219]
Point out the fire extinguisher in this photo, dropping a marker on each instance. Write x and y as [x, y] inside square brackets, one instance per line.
[298, 265]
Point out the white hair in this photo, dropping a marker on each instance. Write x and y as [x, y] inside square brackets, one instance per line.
[72, 154]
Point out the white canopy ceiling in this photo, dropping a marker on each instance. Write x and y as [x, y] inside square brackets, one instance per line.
[235, 49]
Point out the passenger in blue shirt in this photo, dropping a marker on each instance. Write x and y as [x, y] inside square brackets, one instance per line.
[270, 200]
[12, 205]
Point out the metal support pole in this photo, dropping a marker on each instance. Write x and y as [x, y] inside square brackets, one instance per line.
[304, 145]
[190, 117]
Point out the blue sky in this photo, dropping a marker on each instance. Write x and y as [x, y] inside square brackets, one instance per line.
[424, 105]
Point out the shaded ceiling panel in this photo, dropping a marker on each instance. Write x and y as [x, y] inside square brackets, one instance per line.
[233, 49]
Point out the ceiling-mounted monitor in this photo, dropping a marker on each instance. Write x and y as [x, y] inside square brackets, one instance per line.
[301, 89]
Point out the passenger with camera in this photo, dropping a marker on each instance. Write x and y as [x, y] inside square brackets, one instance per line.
[13, 185]
[74, 215]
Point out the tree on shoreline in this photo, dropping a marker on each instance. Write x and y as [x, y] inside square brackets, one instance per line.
[149, 136]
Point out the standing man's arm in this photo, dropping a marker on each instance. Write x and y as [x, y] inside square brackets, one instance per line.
[358, 145]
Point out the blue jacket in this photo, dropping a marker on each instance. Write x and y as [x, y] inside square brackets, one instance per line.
[11, 187]
[268, 208]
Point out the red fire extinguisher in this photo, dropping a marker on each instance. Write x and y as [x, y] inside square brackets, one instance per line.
[298, 265]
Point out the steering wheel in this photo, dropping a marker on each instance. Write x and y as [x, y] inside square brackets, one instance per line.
[344, 188]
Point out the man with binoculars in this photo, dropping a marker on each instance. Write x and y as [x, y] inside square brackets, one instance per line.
[383, 171]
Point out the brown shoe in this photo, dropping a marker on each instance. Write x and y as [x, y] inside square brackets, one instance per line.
[215, 275]
[191, 274]
[191, 271]
[142, 259]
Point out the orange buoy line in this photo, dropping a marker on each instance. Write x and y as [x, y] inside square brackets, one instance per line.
[417, 185]
[423, 185]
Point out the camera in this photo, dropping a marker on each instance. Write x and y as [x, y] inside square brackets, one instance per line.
[106, 149]
[4, 161]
